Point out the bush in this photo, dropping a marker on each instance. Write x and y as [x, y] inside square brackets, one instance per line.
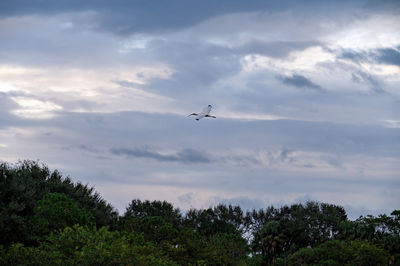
[80, 245]
[335, 252]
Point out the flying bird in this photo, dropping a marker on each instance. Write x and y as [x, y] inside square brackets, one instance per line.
[204, 113]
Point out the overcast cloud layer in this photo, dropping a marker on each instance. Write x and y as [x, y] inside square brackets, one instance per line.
[306, 96]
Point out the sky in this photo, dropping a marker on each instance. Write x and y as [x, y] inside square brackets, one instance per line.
[306, 95]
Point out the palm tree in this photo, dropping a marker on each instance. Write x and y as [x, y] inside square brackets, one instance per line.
[270, 240]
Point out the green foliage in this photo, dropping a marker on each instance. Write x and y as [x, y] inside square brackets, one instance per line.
[217, 220]
[46, 219]
[270, 241]
[256, 260]
[279, 232]
[141, 209]
[24, 184]
[335, 252]
[156, 229]
[383, 231]
[202, 236]
[18, 254]
[189, 248]
[57, 211]
[228, 249]
[19, 194]
[79, 245]
[158, 221]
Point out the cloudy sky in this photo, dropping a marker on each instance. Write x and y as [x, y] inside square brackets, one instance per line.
[306, 94]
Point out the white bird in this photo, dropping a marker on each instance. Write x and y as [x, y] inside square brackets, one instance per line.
[205, 113]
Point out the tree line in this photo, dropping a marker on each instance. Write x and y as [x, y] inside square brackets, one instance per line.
[46, 219]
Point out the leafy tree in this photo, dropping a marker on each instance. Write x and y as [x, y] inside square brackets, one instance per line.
[218, 220]
[256, 219]
[56, 211]
[228, 249]
[311, 224]
[46, 219]
[86, 197]
[301, 225]
[79, 245]
[140, 209]
[270, 241]
[158, 221]
[232, 215]
[190, 248]
[383, 231]
[24, 184]
[335, 252]
[19, 193]
[157, 230]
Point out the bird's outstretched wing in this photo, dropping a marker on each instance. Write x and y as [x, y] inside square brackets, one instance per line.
[205, 113]
[206, 110]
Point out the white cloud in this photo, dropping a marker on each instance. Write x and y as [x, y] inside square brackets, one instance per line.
[305, 60]
[48, 90]
[370, 32]
[392, 123]
[35, 109]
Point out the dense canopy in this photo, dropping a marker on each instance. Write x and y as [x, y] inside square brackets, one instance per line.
[47, 219]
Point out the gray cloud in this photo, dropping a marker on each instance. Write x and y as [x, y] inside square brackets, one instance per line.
[181, 132]
[300, 82]
[95, 131]
[372, 82]
[124, 17]
[210, 63]
[7, 105]
[200, 65]
[87, 148]
[354, 56]
[388, 56]
[274, 49]
[186, 198]
[285, 154]
[125, 83]
[135, 16]
[183, 156]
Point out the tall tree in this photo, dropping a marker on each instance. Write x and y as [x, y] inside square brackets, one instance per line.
[56, 211]
[335, 252]
[24, 184]
[270, 241]
[383, 231]
[140, 209]
[221, 219]
[301, 225]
